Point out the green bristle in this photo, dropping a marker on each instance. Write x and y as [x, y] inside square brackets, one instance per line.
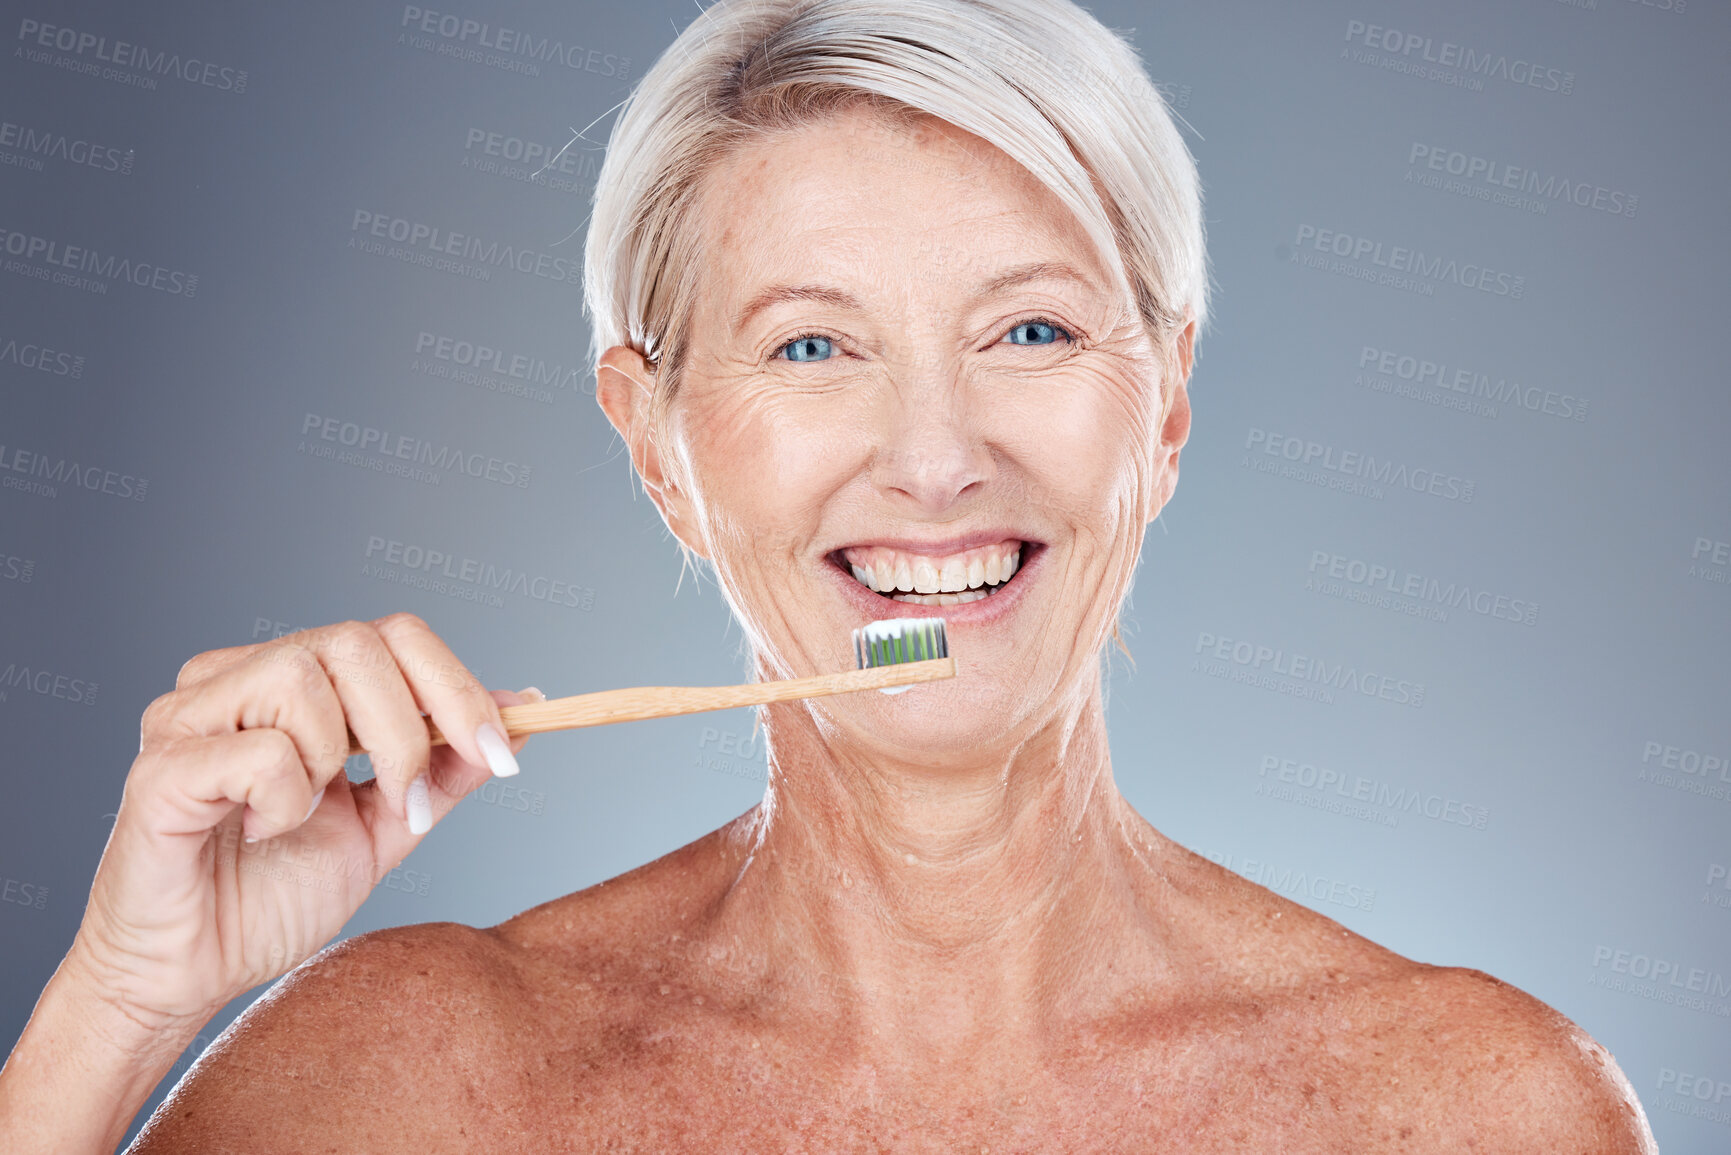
[917, 641]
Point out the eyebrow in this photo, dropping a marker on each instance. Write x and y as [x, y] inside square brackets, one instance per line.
[1010, 278]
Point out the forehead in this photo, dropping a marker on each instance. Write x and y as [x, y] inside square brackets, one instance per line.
[858, 187]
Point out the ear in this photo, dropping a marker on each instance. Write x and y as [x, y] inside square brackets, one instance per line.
[624, 384]
[1175, 425]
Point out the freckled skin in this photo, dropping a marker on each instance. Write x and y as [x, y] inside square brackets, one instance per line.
[943, 929]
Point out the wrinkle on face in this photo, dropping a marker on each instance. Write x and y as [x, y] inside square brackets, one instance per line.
[976, 817]
[917, 401]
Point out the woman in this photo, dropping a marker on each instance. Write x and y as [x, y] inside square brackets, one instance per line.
[895, 307]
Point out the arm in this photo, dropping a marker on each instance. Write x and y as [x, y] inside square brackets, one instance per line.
[240, 848]
[83, 1066]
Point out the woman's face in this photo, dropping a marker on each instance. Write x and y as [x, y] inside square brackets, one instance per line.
[906, 359]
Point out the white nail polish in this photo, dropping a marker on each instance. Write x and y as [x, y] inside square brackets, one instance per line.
[420, 806]
[496, 750]
[317, 798]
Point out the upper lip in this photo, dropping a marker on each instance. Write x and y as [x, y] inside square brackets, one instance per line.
[941, 547]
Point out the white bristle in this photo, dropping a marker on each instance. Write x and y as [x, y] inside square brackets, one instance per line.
[891, 641]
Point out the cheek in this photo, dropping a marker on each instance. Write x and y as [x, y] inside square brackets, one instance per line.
[1086, 438]
[765, 463]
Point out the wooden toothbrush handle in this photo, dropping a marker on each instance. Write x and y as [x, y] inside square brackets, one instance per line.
[643, 702]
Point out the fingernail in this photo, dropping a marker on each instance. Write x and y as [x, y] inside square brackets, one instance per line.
[317, 798]
[533, 693]
[496, 750]
[420, 806]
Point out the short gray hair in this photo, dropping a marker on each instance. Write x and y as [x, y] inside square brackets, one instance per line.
[1042, 80]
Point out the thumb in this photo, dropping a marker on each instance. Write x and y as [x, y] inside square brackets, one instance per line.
[518, 698]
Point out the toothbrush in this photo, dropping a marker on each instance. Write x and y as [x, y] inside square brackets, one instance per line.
[893, 654]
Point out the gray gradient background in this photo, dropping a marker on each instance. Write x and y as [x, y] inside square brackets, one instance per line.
[240, 533]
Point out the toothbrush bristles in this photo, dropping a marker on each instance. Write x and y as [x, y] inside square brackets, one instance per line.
[892, 641]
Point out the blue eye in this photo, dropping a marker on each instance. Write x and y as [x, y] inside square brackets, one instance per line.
[1035, 333]
[809, 348]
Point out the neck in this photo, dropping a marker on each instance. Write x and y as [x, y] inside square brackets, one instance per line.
[932, 903]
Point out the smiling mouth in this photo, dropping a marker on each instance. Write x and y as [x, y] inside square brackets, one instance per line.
[970, 576]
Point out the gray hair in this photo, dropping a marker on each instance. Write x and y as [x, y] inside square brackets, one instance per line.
[1041, 80]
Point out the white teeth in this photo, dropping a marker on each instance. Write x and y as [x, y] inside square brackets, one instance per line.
[929, 581]
[962, 598]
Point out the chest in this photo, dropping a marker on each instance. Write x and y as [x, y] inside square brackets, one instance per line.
[671, 1090]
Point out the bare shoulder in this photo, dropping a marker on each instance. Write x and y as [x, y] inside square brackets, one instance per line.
[634, 910]
[1512, 1072]
[430, 1037]
[1420, 1057]
[365, 1046]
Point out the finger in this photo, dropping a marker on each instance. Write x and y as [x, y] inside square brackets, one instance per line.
[456, 775]
[453, 697]
[282, 686]
[391, 841]
[381, 711]
[189, 786]
[200, 667]
[518, 698]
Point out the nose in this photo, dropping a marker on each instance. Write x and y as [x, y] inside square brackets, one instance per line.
[933, 453]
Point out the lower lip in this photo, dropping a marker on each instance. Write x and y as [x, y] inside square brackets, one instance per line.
[986, 610]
